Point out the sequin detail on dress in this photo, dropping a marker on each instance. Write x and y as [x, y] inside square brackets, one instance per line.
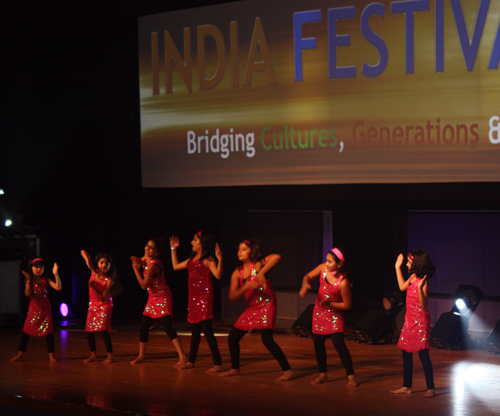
[325, 319]
[99, 313]
[39, 320]
[160, 297]
[261, 310]
[200, 292]
[415, 335]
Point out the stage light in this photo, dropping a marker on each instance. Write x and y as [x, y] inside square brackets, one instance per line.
[63, 308]
[2, 192]
[450, 331]
[302, 327]
[394, 303]
[8, 223]
[468, 297]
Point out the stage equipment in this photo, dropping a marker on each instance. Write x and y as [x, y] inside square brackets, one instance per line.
[450, 331]
[302, 327]
[64, 310]
[447, 334]
[468, 297]
[492, 343]
[373, 327]
[394, 303]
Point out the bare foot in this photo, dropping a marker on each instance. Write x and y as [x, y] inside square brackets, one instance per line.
[181, 363]
[52, 358]
[16, 357]
[351, 381]
[402, 390]
[230, 373]
[430, 394]
[287, 375]
[215, 369]
[91, 359]
[109, 360]
[323, 378]
[138, 360]
[186, 366]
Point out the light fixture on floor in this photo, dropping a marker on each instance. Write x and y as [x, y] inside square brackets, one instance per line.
[450, 331]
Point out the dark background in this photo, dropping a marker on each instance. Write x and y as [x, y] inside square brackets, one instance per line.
[71, 167]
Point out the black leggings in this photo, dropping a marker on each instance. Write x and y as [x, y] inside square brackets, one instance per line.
[105, 337]
[166, 322]
[339, 344]
[408, 368]
[234, 339]
[49, 338]
[206, 327]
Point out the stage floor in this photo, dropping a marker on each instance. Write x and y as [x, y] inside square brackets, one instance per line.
[467, 381]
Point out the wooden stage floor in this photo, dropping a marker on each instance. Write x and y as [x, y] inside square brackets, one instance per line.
[467, 381]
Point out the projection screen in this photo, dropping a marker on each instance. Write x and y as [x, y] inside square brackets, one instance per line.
[320, 92]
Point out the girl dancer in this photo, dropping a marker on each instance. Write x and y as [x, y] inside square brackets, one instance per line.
[415, 335]
[149, 273]
[39, 320]
[100, 303]
[249, 279]
[201, 265]
[334, 297]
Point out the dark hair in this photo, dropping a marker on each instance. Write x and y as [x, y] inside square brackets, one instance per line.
[32, 263]
[207, 242]
[421, 263]
[256, 253]
[160, 246]
[337, 260]
[117, 287]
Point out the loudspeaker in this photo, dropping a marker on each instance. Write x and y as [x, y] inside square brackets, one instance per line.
[447, 333]
[302, 327]
[492, 343]
[374, 326]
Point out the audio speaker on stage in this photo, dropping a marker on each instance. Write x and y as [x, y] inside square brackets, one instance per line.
[492, 343]
[374, 326]
[447, 333]
[302, 327]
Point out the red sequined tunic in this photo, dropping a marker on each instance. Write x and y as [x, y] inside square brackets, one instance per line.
[99, 313]
[160, 297]
[39, 320]
[261, 310]
[415, 335]
[325, 319]
[200, 292]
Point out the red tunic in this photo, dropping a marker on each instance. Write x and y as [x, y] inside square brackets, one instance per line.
[415, 335]
[325, 319]
[39, 320]
[261, 310]
[201, 292]
[99, 313]
[160, 297]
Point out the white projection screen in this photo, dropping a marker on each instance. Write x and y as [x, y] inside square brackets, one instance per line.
[320, 92]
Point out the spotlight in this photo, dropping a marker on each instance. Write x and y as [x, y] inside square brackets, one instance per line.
[63, 308]
[8, 223]
[2, 192]
[468, 297]
[450, 331]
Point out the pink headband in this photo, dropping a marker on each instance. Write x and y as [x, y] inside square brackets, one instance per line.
[410, 256]
[337, 252]
[199, 234]
[35, 260]
[247, 242]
